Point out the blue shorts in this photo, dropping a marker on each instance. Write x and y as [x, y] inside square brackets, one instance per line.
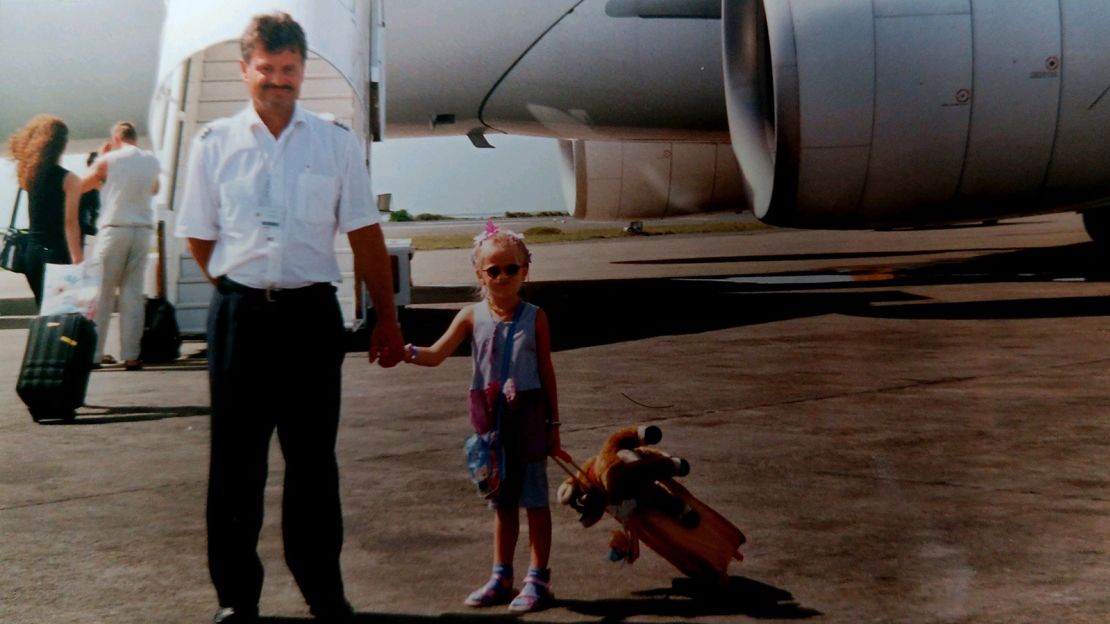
[534, 492]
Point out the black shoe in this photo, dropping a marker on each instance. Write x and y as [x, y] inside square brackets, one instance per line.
[341, 612]
[227, 615]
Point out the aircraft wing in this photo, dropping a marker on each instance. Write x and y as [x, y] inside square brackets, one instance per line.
[91, 63]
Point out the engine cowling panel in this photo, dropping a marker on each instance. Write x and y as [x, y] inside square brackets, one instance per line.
[622, 180]
[861, 113]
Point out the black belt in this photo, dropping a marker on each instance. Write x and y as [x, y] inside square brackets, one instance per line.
[226, 285]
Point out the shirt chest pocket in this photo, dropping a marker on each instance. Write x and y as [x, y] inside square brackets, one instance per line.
[317, 196]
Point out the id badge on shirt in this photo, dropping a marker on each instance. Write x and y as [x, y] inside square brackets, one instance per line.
[270, 216]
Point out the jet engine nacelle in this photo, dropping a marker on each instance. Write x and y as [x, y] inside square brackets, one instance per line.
[857, 113]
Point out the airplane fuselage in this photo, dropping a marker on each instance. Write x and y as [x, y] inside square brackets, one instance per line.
[848, 114]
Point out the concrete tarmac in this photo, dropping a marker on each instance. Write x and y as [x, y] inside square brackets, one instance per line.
[909, 426]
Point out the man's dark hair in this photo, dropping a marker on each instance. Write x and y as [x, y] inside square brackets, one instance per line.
[125, 130]
[274, 32]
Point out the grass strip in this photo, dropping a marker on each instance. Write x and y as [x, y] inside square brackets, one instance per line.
[547, 234]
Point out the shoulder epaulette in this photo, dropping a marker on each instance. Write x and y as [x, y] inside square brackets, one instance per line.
[340, 124]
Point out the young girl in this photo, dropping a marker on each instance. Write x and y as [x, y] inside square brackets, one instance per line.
[529, 418]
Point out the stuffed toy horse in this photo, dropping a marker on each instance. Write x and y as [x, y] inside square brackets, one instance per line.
[636, 485]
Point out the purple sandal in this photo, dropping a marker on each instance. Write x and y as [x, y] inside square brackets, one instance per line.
[534, 596]
[492, 593]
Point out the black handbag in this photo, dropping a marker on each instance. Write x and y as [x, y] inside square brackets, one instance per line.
[15, 244]
[88, 211]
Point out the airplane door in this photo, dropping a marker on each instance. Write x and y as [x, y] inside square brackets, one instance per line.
[920, 96]
[1015, 99]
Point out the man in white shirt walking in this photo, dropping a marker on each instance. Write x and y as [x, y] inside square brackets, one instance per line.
[129, 178]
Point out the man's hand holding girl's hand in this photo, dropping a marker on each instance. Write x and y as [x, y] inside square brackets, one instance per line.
[386, 345]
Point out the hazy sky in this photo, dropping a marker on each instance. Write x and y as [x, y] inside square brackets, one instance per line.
[93, 63]
[450, 176]
[442, 176]
[95, 57]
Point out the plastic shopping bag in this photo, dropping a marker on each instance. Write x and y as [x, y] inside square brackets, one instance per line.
[70, 288]
[483, 462]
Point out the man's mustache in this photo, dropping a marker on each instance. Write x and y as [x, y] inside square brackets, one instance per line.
[269, 86]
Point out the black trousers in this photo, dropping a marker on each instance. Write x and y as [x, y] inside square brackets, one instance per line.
[36, 256]
[274, 365]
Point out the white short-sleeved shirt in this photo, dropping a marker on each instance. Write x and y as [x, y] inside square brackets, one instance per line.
[125, 196]
[274, 206]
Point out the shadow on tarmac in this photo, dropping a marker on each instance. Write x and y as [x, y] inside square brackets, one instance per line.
[18, 322]
[598, 312]
[844, 255]
[683, 600]
[1009, 309]
[105, 415]
[688, 599]
[394, 618]
[1085, 261]
[185, 363]
[584, 314]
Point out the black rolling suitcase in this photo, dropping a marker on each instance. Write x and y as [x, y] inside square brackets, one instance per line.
[161, 341]
[56, 366]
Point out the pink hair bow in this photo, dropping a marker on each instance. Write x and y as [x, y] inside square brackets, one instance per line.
[492, 230]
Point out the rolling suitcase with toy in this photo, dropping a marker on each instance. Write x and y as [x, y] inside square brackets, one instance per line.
[56, 366]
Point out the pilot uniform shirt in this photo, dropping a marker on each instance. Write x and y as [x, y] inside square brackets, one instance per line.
[273, 206]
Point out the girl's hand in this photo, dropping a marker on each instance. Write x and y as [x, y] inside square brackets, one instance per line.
[411, 353]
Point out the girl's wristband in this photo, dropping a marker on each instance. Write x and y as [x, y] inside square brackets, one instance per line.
[413, 353]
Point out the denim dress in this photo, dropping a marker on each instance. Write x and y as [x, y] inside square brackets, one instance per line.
[524, 417]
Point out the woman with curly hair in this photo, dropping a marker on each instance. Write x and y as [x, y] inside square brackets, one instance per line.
[54, 195]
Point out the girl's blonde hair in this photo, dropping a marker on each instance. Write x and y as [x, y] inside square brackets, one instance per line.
[494, 235]
[36, 146]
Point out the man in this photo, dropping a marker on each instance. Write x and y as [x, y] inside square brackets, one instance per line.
[265, 194]
[128, 178]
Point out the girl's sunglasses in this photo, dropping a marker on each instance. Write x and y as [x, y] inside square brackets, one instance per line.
[494, 271]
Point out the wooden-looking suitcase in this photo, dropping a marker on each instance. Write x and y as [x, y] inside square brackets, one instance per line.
[56, 366]
[702, 552]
